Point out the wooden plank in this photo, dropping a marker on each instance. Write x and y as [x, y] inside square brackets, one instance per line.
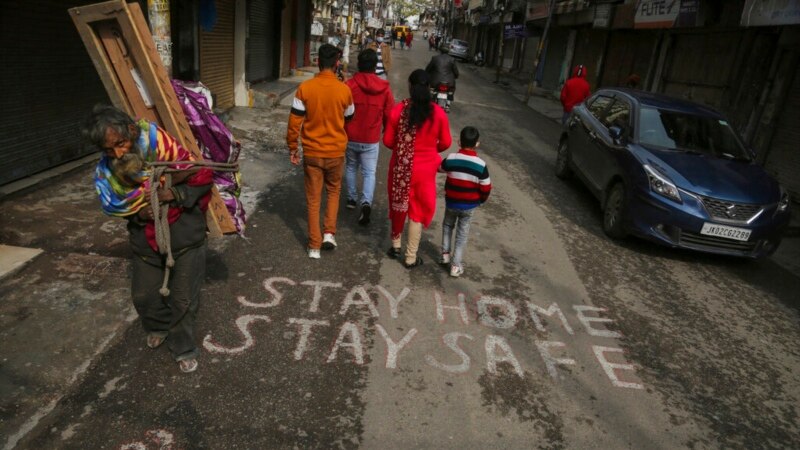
[118, 40]
[93, 45]
[120, 61]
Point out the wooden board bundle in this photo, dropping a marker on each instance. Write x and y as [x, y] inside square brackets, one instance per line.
[123, 52]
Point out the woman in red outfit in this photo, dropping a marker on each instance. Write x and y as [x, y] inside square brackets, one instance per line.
[417, 131]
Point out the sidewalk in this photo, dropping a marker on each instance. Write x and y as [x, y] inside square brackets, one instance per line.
[64, 281]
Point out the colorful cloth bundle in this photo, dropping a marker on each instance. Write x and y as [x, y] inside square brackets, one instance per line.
[217, 144]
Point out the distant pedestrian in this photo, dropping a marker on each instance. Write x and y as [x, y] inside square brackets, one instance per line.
[403, 40]
[468, 186]
[632, 82]
[417, 130]
[384, 55]
[320, 109]
[431, 43]
[409, 39]
[575, 90]
[373, 100]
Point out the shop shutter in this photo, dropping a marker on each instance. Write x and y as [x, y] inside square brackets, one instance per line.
[701, 65]
[49, 85]
[216, 55]
[629, 52]
[589, 49]
[783, 160]
[554, 59]
[258, 43]
[529, 55]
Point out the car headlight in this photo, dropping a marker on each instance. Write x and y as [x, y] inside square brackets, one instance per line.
[783, 204]
[662, 185]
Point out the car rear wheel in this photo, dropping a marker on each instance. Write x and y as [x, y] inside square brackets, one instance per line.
[563, 157]
[614, 212]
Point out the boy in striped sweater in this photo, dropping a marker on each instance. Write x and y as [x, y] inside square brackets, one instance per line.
[468, 186]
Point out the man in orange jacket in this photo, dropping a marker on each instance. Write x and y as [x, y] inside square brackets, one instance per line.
[319, 110]
[575, 90]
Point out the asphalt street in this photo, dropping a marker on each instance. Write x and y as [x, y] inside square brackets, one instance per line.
[555, 336]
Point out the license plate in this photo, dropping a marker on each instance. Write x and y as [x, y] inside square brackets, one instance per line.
[724, 231]
[441, 95]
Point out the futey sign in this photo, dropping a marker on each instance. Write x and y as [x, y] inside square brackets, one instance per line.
[666, 13]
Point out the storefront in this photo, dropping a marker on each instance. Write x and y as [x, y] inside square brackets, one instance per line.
[263, 40]
[217, 53]
[49, 85]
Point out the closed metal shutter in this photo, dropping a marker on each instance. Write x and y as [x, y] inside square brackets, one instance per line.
[261, 39]
[783, 160]
[302, 28]
[216, 55]
[49, 86]
[701, 64]
[589, 50]
[554, 59]
[629, 52]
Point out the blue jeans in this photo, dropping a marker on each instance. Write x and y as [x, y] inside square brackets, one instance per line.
[460, 220]
[366, 156]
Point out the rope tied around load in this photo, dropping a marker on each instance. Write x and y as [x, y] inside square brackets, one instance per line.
[163, 169]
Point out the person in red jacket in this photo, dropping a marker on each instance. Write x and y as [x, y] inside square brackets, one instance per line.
[373, 100]
[575, 90]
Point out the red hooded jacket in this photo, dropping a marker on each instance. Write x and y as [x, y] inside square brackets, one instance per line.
[576, 89]
[373, 100]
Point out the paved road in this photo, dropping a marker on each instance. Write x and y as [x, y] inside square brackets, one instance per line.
[555, 337]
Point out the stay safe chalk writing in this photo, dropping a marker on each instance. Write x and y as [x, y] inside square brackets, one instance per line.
[470, 316]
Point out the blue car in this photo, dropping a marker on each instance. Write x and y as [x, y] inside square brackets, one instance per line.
[673, 172]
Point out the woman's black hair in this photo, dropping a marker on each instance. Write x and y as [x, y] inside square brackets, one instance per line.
[420, 108]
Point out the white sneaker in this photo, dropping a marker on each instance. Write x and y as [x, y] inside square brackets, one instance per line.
[328, 241]
[313, 253]
[456, 271]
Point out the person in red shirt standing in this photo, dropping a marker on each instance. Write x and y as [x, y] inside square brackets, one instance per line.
[575, 90]
[373, 100]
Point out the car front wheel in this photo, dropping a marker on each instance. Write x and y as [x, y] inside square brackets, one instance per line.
[614, 212]
[563, 157]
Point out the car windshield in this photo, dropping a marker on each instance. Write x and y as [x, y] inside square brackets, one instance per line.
[673, 130]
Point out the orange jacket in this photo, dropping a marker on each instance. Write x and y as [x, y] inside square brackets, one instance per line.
[319, 110]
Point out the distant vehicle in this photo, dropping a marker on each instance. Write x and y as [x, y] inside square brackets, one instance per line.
[401, 29]
[673, 172]
[414, 26]
[444, 45]
[459, 49]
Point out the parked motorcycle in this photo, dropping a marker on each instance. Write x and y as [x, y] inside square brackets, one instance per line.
[443, 95]
[477, 59]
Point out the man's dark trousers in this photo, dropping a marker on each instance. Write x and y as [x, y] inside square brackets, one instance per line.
[175, 315]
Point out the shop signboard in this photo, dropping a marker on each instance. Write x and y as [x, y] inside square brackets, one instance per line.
[513, 30]
[770, 12]
[656, 13]
[537, 9]
[602, 15]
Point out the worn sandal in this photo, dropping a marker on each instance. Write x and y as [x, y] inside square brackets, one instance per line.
[394, 252]
[155, 341]
[188, 365]
[416, 263]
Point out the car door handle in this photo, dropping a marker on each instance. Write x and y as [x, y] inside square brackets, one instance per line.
[593, 135]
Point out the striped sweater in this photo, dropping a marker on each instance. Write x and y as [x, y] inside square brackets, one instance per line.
[468, 184]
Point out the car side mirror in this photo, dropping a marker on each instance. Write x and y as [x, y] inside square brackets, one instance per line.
[616, 134]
